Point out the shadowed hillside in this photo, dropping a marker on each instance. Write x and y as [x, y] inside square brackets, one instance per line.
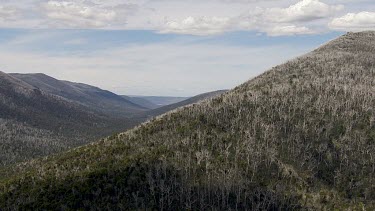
[35, 122]
[25, 103]
[298, 137]
[90, 96]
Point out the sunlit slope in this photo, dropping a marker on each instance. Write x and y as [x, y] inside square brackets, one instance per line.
[300, 136]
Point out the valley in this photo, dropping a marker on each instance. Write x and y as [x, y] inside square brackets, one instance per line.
[40, 115]
[298, 137]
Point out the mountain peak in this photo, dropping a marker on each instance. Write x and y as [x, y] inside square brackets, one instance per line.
[351, 41]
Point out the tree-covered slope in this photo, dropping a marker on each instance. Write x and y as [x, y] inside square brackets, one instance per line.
[90, 96]
[23, 102]
[298, 137]
[20, 142]
[35, 122]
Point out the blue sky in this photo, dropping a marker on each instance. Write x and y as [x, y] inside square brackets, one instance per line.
[165, 47]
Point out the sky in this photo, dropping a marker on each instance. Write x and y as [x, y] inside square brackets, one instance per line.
[168, 47]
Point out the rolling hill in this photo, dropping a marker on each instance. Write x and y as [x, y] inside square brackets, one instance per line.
[164, 109]
[40, 115]
[141, 101]
[90, 96]
[25, 103]
[301, 136]
[161, 101]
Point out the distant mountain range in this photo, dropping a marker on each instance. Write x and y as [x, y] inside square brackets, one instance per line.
[181, 103]
[161, 101]
[40, 115]
[141, 101]
[301, 136]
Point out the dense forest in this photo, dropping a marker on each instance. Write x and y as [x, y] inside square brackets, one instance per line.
[301, 136]
[20, 142]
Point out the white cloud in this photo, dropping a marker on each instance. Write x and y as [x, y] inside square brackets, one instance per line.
[7, 12]
[198, 26]
[73, 14]
[185, 17]
[288, 30]
[305, 10]
[354, 22]
[273, 21]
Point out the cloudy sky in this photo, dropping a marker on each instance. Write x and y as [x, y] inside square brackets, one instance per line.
[168, 47]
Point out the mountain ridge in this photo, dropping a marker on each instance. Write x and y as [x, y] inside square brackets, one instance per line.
[164, 109]
[161, 101]
[87, 95]
[35, 122]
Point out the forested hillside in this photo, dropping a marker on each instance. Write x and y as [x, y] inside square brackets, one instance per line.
[25, 103]
[97, 99]
[34, 122]
[40, 115]
[299, 137]
[20, 142]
